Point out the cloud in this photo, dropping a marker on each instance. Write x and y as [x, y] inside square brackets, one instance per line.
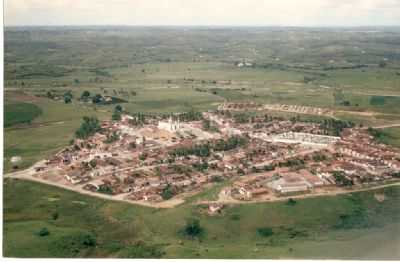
[203, 12]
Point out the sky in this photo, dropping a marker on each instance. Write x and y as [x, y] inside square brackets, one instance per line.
[203, 12]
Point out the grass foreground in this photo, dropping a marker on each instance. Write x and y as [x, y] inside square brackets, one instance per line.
[45, 221]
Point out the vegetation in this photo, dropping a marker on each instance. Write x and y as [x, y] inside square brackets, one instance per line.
[341, 179]
[335, 127]
[204, 150]
[44, 232]
[120, 228]
[89, 127]
[111, 138]
[192, 228]
[105, 189]
[265, 231]
[167, 192]
[68, 97]
[20, 113]
[72, 245]
[85, 96]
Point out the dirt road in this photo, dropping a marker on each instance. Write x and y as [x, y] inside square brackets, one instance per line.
[27, 174]
[225, 198]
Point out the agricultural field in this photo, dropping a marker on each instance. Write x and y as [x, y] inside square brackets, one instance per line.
[354, 73]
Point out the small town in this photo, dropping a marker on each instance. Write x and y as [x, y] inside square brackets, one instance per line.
[151, 159]
[204, 130]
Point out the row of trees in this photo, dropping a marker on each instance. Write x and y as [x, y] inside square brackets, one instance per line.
[335, 127]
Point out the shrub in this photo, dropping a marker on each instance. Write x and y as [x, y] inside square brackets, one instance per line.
[265, 231]
[72, 245]
[54, 216]
[192, 228]
[142, 250]
[105, 190]
[44, 232]
[167, 193]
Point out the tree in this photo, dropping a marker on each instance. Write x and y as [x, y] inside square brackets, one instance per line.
[116, 116]
[105, 189]
[265, 231]
[85, 95]
[112, 138]
[206, 124]
[97, 99]
[76, 81]
[89, 127]
[341, 179]
[54, 216]
[192, 228]
[49, 95]
[167, 192]
[291, 202]
[132, 145]
[143, 156]
[44, 232]
[93, 163]
[68, 97]
[118, 108]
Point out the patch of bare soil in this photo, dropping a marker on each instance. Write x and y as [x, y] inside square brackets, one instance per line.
[18, 96]
[379, 197]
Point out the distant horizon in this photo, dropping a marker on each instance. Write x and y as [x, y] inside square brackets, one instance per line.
[210, 25]
[249, 13]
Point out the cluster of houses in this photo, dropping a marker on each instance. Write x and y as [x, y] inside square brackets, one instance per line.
[280, 157]
[277, 107]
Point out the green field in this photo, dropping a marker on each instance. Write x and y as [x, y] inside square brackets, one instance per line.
[47, 133]
[390, 136]
[312, 228]
[20, 113]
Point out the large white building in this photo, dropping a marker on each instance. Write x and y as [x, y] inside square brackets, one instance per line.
[170, 125]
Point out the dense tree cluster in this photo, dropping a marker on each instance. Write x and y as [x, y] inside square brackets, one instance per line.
[89, 127]
[335, 127]
[204, 150]
[292, 163]
[341, 179]
[200, 166]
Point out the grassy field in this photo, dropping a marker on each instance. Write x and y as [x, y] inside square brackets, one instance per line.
[312, 228]
[391, 136]
[20, 113]
[47, 133]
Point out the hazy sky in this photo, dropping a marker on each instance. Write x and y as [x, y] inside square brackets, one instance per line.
[203, 12]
